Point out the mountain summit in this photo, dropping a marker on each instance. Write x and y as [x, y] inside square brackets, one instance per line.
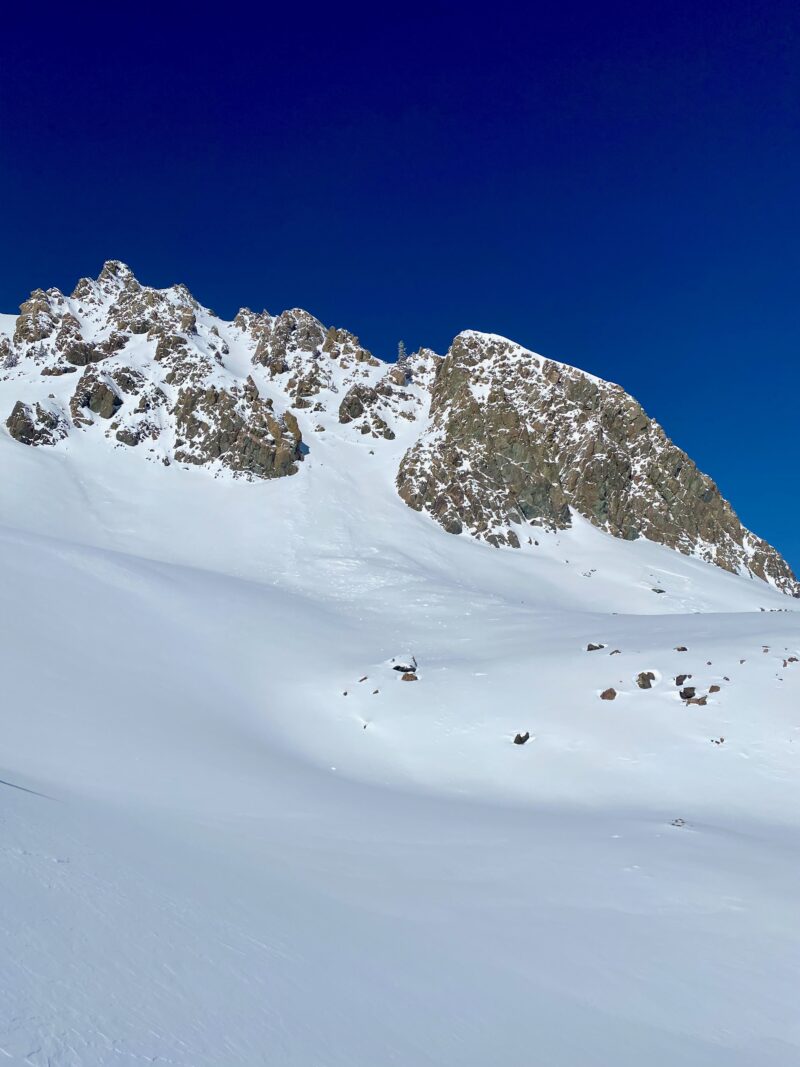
[490, 440]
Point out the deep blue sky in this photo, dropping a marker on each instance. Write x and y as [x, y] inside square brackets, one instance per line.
[614, 185]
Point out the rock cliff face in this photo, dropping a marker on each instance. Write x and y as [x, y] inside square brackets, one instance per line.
[490, 440]
[516, 440]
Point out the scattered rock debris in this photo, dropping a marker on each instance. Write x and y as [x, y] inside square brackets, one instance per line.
[713, 689]
[594, 648]
[702, 701]
[678, 822]
[717, 740]
[608, 694]
[375, 692]
[681, 678]
[659, 590]
[681, 648]
[520, 739]
[645, 680]
[688, 692]
[364, 678]
[616, 652]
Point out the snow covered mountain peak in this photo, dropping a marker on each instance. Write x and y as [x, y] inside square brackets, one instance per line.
[490, 440]
[275, 745]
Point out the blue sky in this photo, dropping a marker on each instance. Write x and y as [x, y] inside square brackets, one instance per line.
[614, 185]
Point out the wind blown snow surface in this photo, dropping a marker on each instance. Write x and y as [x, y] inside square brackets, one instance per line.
[231, 834]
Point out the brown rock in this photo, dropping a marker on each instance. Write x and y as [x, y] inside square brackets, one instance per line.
[36, 318]
[33, 424]
[541, 439]
[238, 429]
[94, 393]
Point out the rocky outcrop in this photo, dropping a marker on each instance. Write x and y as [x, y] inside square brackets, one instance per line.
[142, 418]
[286, 334]
[34, 424]
[297, 349]
[95, 394]
[516, 440]
[360, 402]
[500, 438]
[237, 429]
[36, 318]
[178, 393]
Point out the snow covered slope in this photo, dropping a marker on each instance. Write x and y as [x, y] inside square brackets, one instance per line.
[231, 833]
[495, 439]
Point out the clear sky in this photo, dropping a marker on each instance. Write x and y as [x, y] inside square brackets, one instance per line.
[613, 185]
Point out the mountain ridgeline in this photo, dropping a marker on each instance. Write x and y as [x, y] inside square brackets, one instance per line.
[490, 440]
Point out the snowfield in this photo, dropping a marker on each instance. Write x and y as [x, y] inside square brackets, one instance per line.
[231, 834]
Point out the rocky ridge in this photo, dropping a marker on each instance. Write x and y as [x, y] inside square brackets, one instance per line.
[514, 439]
[490, 439]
